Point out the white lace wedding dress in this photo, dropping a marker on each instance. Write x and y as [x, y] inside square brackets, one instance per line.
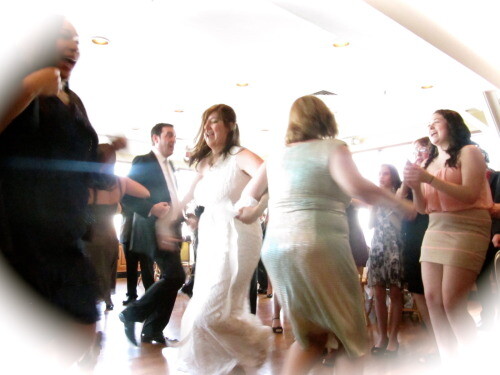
[218, 332]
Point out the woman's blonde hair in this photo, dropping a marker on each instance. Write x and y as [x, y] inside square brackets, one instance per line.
[310, 118]
[201, 150]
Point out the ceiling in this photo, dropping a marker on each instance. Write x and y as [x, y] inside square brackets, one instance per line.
[167, 56]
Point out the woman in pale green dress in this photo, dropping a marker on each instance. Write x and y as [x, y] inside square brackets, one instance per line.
[306, 250]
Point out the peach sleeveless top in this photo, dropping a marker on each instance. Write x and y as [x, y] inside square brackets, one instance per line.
[438, 201]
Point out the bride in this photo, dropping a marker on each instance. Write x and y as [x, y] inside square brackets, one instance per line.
[218, 332]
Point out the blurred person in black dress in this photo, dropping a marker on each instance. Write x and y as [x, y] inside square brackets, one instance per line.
[46, 144]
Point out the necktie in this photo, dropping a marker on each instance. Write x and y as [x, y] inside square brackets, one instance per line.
[167, 231]
[171, 187]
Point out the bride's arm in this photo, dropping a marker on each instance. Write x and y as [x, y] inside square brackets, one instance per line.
[248, 162]
[253, 201]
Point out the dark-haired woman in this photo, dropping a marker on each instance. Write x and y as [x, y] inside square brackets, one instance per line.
[104, 196]
[385, 266]
[218, 331]
[452, 188]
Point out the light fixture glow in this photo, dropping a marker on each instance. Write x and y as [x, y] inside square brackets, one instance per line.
[425, 87]
[100, 40]
[242, 84]
[340, 44]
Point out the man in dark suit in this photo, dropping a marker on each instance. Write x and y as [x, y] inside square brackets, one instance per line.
[155, 172]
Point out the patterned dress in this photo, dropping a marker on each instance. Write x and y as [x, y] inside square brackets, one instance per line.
[385, 263]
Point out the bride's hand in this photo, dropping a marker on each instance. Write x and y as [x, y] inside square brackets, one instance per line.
[247, 215]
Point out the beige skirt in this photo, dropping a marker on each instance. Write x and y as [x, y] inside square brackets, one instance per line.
[457, 239]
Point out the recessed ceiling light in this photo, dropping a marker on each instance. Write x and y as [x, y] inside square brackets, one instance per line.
[178, 110]
[426, 87]
[100, 40]
[341, 44]
[242, 84]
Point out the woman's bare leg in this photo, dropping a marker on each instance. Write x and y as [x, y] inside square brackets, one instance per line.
[432, 276]
[423, 310]
[379, 299]
[299, 360]
[395, 320]
[424, 313]
[457, 283]
[276, 322]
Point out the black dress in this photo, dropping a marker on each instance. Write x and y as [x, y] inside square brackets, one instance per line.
[44, 174]
[413, 234]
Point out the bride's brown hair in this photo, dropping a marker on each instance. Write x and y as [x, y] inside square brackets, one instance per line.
[201, 150]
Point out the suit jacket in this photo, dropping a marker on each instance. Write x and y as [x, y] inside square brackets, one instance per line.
[147, 171]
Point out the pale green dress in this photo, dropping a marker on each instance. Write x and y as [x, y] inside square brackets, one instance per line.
[306, 250]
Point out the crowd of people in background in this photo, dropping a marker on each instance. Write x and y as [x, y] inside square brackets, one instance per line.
[436, 231]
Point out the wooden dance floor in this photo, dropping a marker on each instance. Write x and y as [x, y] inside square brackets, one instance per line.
[120, 357]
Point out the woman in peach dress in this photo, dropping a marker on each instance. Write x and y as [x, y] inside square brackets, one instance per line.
[452, 188]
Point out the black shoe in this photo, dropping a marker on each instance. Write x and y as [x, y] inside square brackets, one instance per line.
[129, 328]
[129, 300]
[329, 358]
[278, 328]
[377, 350]
[158, 339]
[187, 289]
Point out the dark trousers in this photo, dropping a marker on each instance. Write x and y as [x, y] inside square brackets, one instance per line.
[155, 306]
[133, 260]
[253, 293]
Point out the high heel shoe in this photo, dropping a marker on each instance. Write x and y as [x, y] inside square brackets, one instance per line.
[328, 358]
[277, 329]
[379, 350]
